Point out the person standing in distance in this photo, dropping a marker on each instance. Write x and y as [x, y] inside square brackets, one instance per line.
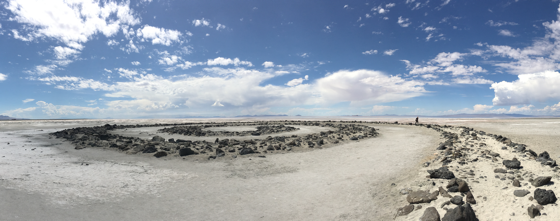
[416, 120]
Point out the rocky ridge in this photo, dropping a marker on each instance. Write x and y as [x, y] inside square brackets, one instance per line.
[473, 172]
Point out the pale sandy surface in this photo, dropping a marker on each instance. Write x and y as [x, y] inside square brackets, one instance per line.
[345, 182]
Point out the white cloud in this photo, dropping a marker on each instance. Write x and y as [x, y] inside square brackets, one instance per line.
[131, 47]
[189, 64]
[482, 108]
[159, 35]
[507, 33]
[72, 22]
[297, 81]
[390, 52]
[28, 100]
[446, 59]
[3, 77]
[112, 42]
[217, 104]
[304, 55]
[390, 5]
[169, 60]
[429, 29]
[43, 69]
[366, 87]
[268, 64]
[472, 80]
[500, 23]
[135, 63]
[64, 52]
[227, 61]
[220, 26]
[462, 69]
[201, 22]
[107, 70]
[403, 22]
[528, 88]
[380, 109]
[370, 52]
[74, 83]
[127, 73]
[445, 2]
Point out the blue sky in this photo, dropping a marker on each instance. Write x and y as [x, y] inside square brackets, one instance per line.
[172, 58]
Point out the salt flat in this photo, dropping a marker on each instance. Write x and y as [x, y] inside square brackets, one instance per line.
[351, 181]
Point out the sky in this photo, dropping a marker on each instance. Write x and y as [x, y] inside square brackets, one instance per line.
[207, 58]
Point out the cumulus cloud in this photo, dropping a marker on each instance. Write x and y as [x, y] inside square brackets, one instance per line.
[127, 73]
[3, 77]
[446, 59]
[43, 69]
[472, 80]
[403, 22]
[135, 63]
[268, 64]
[482, 108]
[28, 100]
[71, 22]
[227, 61]
[366, 86]
[112, 42]
[201, 22]
[159, 35]
[297, 81]
[507, 33]
[64, 52]
[169, 60]
[370, 52]
[529, 87]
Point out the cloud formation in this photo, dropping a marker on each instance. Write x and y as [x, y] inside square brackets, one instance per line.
[528, 88]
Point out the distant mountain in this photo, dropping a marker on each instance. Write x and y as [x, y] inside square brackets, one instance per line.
[2, 117]
[486, 116]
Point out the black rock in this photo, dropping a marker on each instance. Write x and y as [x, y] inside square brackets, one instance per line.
[516, 183]
[430, 214]
[457, 200]
[403, 211]
[533, 211]
[158, 139]
[532, 152]
[512, 164]
[463, 213]
[220, 152]
[544, 197]
[150, 149]
[442, 147]
[441, 173]
[453, 189]
[186, 151]
[246, 151]
[470, 198]
[521, 193]
[544, 155]
[160, 154]
[500, 170]
[541, 181]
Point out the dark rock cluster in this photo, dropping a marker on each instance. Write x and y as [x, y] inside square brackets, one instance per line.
[200, 131]
[102, 137]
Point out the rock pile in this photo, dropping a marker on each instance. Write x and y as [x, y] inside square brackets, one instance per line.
[102, 137]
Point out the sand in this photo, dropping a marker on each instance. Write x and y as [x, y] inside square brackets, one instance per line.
[352, 181]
